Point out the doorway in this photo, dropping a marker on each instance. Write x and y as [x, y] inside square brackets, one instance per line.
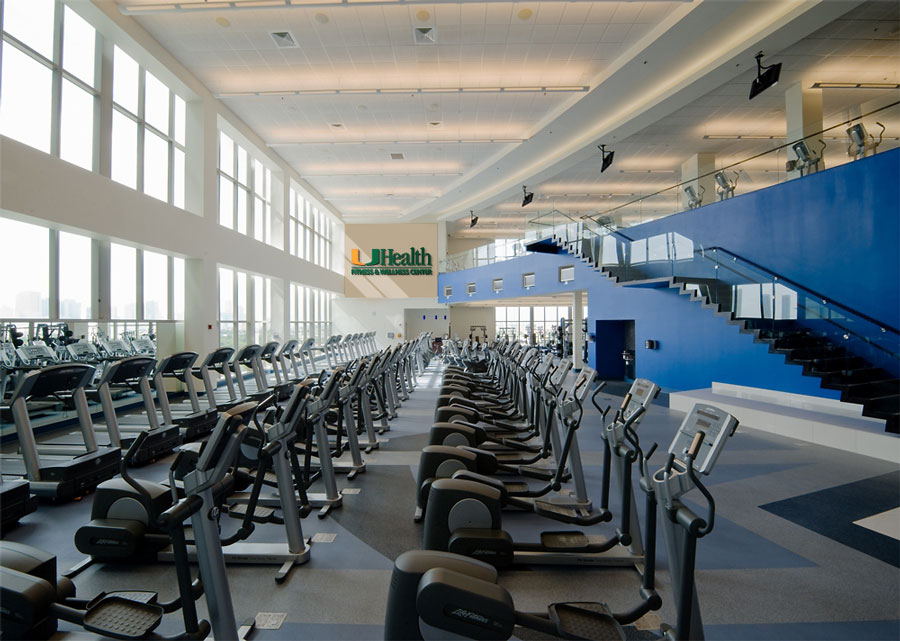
[614, 350]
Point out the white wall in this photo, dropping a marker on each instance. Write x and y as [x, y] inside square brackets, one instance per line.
[434, 320]
[462, 317]
[383, 316]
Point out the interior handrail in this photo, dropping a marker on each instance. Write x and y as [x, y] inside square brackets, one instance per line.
[827, 300]
[594, 217]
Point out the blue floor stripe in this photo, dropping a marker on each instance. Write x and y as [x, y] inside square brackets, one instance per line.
[832, 511]
[818, 631]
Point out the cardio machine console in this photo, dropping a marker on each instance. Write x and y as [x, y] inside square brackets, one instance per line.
[559, 375]
[642, 391]
[574, 396]
[716, 424]
[115, 347]
[7, 355]
[83, 351]
[36, 354]
[143, 346]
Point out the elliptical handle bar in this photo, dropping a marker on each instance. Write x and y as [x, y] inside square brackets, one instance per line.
[620, 414]
[136, 445]
[709, 522]
[603, 413]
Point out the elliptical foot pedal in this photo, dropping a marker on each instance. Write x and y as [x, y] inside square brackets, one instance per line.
[586, 621]
[557, 512]
[567, 541]
[542, 473]
[514, 487]
[138, 596]
[121, 618]
[260, 514]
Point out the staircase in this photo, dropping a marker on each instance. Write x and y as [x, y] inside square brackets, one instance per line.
[819, 353]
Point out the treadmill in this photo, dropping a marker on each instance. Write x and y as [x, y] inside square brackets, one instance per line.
[54, 478]
[269, 353]
[160, 440]
[248, 356]
[16, 501]
[217, 361]
[193, 420]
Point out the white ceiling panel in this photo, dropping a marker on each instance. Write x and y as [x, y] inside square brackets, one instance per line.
[349, 47]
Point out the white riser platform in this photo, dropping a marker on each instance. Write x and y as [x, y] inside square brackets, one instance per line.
[806, 418]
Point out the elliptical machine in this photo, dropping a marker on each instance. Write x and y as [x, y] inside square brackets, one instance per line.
[432, 593]
[34, 599]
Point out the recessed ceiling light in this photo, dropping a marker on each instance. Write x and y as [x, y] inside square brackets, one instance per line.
[284, 39]
[855, 85]
[525, 14]
[337, 125]
[422, 15]
[321, 18]
[423, 35]
[222, 21]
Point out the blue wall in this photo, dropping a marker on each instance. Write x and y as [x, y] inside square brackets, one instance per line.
[696, 347]
[835, 232]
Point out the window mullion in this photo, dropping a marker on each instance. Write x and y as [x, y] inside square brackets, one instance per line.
[56, 90]
[139, 285]
[140, 130]
[171, 147]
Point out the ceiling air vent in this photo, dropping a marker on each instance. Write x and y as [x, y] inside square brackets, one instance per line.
[396, 156]
[423, 35]
[284, 39]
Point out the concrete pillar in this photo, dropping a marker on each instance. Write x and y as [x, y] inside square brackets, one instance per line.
[531, 335]
[577, 316]
[803, 115]
[279, 313]
[698, 165]
[441, 243]
[201, 305]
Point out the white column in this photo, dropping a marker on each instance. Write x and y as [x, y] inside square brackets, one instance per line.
[803, 114]
[698, 165]
[441, 243]
[577, 360]
[201, 305]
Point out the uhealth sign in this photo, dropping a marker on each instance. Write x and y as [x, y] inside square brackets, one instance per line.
[390, 262]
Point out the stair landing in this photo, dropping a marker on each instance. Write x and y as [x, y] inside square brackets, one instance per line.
[822, 421]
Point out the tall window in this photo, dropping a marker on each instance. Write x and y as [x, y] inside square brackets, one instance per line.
[74, 276]
[148, 132]
[122, 282]
[50, 79]
[156, 286]
[311, 313]
[27, 293]
[516, 323]
[244, 308]
[245, 191]
[311, 231]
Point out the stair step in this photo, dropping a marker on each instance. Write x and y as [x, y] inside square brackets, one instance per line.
[812, 355]
[855, 375]
[871, 389]
[799, 341]
[889, 403]
[837, 364]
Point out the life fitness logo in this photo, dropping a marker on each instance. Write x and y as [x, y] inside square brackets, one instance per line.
[390, 262]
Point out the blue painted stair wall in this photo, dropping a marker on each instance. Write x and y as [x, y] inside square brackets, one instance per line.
[835, 232]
